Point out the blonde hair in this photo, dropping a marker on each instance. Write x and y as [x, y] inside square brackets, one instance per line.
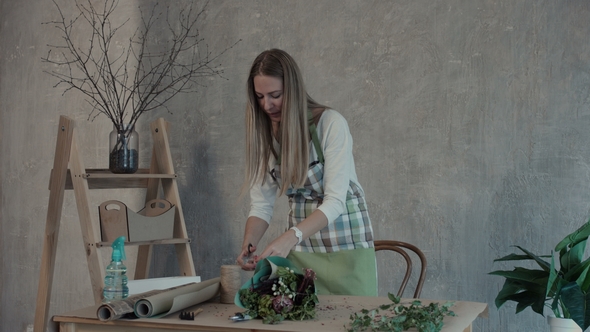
[294, 127]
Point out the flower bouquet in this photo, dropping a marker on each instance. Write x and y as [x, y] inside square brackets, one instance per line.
[277, 292]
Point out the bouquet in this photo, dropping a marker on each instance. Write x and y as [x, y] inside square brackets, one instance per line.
[277, 292]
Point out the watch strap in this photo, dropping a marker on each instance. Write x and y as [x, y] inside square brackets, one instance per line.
[298, 234]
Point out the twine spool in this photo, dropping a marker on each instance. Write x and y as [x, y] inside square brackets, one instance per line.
[230, 283]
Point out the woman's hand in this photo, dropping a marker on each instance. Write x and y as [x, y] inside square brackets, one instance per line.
[245, 259]
[281, 246]
[255, 228]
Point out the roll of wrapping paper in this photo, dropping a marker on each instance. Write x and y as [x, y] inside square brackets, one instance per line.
[230, 283]
[177, 299]
[121, 308]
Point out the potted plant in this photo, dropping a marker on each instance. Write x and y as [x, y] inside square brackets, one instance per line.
[559, 284]
[123, 80]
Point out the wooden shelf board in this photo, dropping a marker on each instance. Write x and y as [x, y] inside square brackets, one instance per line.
[105, 179]
[139, 243]
[143, 173]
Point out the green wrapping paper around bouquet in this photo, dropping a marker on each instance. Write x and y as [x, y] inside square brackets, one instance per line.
[277, 291]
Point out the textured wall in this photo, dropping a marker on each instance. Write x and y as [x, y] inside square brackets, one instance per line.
[469, 118]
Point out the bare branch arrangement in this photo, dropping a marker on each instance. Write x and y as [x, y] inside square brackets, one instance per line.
[139, 77]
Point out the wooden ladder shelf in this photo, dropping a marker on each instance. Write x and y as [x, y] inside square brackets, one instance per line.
[159, 178]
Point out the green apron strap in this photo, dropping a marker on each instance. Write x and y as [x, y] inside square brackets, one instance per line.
[314, 136]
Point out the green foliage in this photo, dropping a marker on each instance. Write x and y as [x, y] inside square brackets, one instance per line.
[399, 317]
[266, 311]
[306, 310]
[294, 291]
[250, 300]
[562, 286]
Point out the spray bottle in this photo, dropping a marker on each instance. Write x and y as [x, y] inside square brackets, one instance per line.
[115, 280]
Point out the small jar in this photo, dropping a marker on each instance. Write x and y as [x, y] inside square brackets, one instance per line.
[124, 150]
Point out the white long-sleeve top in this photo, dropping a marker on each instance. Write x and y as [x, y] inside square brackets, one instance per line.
[339, 171]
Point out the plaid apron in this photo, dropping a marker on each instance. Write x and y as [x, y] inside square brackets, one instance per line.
[342, 253]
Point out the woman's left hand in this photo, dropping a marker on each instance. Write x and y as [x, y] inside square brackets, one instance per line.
[281, 246]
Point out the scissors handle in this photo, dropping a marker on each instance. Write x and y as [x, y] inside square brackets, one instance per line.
[240, 317]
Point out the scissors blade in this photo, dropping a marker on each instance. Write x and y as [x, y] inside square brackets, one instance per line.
[240, 317]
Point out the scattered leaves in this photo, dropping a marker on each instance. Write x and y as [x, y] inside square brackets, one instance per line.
[399, 317]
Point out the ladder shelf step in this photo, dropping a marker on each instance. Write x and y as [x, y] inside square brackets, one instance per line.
[139, 243]
[105, 179]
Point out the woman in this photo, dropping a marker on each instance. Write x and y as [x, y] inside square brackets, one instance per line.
[297, 147]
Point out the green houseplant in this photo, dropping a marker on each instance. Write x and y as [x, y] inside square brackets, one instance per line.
[560, 284]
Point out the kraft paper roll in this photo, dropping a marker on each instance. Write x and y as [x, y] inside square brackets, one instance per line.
[177, 298]
[158, 301]
[230, 282]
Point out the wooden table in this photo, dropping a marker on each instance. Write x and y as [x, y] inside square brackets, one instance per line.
[333, 314]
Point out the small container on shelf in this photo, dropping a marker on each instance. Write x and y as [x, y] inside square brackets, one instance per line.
[154, 222]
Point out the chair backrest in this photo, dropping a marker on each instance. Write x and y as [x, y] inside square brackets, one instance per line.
[401, 247]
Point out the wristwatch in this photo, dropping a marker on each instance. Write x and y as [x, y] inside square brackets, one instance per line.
[298, 234]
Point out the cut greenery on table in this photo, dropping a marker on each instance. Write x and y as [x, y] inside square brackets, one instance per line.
[401, 316]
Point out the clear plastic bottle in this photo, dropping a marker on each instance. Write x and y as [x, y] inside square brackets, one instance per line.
[115, 281]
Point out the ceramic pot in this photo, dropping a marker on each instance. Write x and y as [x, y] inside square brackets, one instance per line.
[124, 148]
[562, 325]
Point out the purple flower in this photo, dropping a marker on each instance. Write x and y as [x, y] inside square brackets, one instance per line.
[282, 304]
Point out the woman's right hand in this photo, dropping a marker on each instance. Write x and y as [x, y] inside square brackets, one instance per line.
[245, 259]
[255, 228]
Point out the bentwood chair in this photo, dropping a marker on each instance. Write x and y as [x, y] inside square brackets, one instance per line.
[403, 248]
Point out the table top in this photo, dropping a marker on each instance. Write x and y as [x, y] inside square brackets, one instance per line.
[333, 314]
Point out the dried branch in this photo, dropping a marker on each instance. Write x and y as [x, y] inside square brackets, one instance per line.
[134, 79]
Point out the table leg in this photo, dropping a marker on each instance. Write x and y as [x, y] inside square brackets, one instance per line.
[67, 327]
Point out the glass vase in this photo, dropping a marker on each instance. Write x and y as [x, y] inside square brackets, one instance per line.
[124, 149]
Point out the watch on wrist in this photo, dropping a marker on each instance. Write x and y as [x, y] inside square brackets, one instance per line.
[298, 234]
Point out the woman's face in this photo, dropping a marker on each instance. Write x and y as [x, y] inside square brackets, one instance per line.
[269, 92]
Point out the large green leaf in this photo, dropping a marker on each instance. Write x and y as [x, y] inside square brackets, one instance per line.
[526, 299]
[543, 264]
[524, 293]
[520, 273]
[577, 303]
[579, 274]
[555, 294]
[552, 281]
[581, 234]
[516, 257]
[569, 257]
[584, 278]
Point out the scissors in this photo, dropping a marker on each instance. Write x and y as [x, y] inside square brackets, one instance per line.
[250, 251]
[240, 317]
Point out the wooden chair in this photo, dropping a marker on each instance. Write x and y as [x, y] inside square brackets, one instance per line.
[402, 248]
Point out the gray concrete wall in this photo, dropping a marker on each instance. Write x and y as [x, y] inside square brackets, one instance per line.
[470, 121]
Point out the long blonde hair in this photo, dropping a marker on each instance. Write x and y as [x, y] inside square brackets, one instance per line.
[294, 127]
